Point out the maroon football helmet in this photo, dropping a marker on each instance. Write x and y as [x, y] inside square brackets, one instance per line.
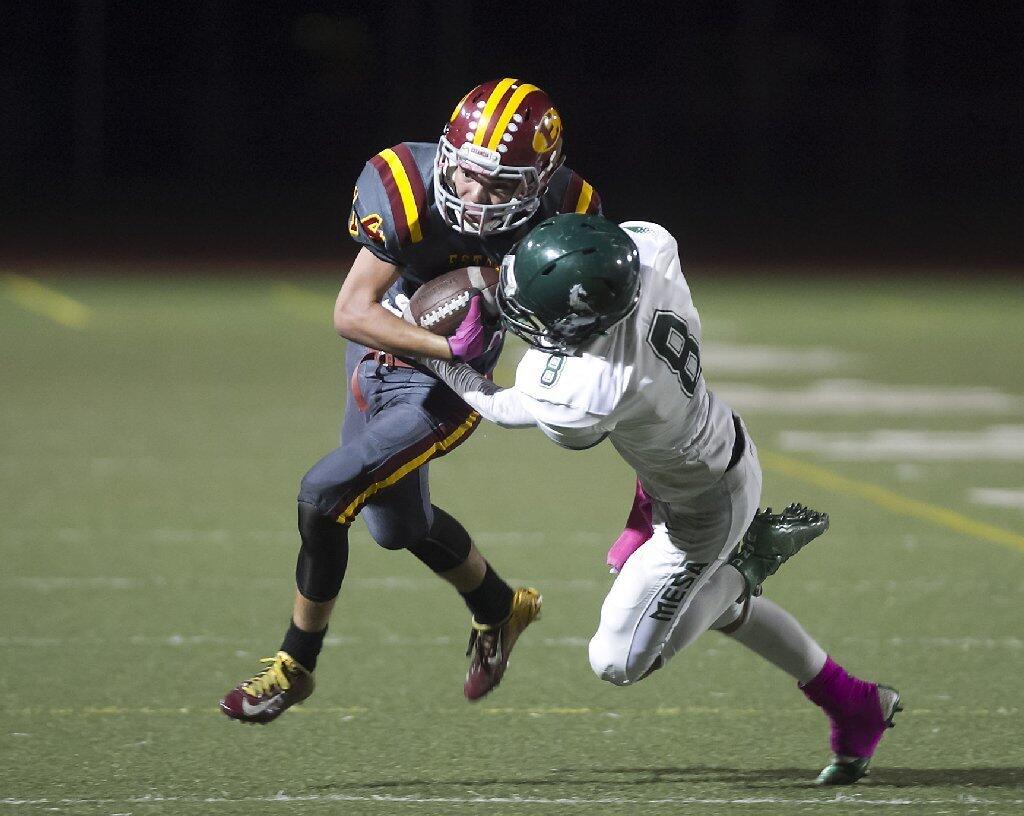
[506, 130]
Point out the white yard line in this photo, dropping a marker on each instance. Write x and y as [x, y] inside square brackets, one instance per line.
[916, 586]
[938, 711]
[207, 537]
[998, 497]
[738, 358]
[964, 643]
[855, 397]
[839, 799]
[55, 583]
[996, 443]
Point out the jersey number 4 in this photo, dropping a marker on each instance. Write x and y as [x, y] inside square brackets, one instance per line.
[671, 341]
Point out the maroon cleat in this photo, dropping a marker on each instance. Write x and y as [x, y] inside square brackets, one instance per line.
[490, 646]
[282, 684]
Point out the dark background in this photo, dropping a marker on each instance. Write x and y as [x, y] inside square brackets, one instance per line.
[879, 132]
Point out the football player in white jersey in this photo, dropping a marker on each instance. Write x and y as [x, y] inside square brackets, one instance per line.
[615, 353]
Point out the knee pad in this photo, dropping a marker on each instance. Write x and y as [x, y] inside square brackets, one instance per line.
[323, 556]
[607, 662]
[313, 491]
[446, 545]
[620, 666]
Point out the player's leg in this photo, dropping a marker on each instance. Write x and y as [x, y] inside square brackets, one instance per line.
[287, 679]
[678, 583]
[500, 614]
[681, 583]
[335, 481]
[377, 460]
[859, 711]
[319, 572]
[650, 598]
[320, 566]
[404, 516]
[665, 597]
[399, 514]
[771, 632]
[322, 560]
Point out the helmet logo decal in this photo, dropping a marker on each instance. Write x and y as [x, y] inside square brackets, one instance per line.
[549, 131]
[578, 300]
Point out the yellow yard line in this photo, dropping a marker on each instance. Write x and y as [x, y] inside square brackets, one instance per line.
[932, 513]
[42, 300]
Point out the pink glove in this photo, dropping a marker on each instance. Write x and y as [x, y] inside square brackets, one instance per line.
[639, 528]
[474, 337]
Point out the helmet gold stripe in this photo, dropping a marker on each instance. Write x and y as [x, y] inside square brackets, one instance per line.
[506, 115]
[492, 104]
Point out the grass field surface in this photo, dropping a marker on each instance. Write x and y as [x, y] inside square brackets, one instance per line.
[154, 433]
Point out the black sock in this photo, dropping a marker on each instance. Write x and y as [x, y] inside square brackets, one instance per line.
[303, 646]
[491, 602]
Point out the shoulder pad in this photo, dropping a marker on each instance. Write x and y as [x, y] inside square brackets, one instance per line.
[390, 204]
[651, 239]
[580, 196]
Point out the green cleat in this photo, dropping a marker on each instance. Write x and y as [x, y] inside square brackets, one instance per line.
[774, 538]
[845, 770]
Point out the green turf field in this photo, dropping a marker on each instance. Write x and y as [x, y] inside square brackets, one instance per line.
[154, 432]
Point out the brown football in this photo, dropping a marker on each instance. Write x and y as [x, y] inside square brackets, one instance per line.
[440, 305]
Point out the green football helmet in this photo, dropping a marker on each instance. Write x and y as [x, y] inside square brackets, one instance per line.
[572, 277]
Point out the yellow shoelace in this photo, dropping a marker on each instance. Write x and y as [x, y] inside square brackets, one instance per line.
[272, 678]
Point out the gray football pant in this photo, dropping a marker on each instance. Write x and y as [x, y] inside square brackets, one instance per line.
[380, 471]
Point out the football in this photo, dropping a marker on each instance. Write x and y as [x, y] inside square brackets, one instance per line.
[440, 305]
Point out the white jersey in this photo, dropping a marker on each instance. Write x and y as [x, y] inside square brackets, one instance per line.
[640, 384]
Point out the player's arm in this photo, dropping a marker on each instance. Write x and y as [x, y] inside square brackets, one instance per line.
[358, 315]
[503, 406]
[511, 408]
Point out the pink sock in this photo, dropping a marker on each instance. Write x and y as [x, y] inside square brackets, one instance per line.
[639, 528]
[853, 709]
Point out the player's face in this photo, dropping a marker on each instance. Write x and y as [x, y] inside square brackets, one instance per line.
[477, 188]
[480, 200]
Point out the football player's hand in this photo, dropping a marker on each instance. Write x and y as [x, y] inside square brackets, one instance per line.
[475, 336]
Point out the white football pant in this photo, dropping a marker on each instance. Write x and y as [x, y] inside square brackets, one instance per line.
[674, 587]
